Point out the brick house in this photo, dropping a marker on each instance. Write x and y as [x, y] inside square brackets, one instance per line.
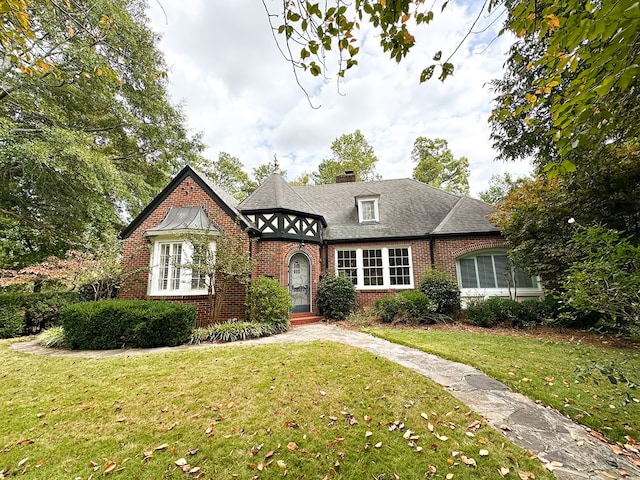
[382, 235]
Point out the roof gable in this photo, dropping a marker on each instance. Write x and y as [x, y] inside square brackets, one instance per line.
[226, 202]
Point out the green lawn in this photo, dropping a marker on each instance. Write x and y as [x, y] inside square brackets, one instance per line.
[558, 374]
[273, 411]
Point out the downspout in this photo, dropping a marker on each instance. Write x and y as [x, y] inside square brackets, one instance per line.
[431, 251]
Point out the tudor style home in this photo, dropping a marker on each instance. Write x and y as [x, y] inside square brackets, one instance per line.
[382, 235]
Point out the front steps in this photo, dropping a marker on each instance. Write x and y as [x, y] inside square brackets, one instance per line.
[303, 318]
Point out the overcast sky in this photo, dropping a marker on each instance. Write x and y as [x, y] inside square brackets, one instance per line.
[237, 89]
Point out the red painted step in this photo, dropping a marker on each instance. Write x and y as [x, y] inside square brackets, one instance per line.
[304, 318]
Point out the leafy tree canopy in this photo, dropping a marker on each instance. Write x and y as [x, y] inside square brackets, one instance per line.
[261, 173]
[87, 132]
[581, 58]
[350, 152]
[500, 186]
[228, 172]
[437, 166]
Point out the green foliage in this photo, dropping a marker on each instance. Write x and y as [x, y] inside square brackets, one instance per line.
[350, 152]
[52, 337]
[269, 302]
[336, 297]
[500, 186]
[442, 291]
[233, 331]
[261, 173]
[228, 172]
[109, 324]
[496, 311]
[87, 130]
[607, 278]
[437, 166]
[29, 313]
[408, 306]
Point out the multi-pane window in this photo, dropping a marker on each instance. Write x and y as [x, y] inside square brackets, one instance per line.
[368, 211]
[371, 268]
[492, 270]
[346, 265]
[170, 266]
[176, 269]
[399, 266]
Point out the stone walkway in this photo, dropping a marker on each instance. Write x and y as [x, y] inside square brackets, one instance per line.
[546, 433]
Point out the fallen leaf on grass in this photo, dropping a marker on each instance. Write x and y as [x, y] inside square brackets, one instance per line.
[552, 465]
[163, 446]
[526, 475]
[449, 476]
[504, 471]
[468, 461]
[293, 446]
[483, 453]
[109, 467]
[181, 462]
[281, 464]
[378, 445]
[147, 455]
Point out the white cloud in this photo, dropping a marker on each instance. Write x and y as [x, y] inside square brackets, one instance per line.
[237, 89]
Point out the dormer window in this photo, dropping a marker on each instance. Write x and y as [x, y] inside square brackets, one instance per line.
[368, 211]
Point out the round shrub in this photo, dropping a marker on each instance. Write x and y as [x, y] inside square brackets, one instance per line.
[109, 324]
[336, 297]
[408, 306]
[442, 291]
[496, 311]
[269, 302]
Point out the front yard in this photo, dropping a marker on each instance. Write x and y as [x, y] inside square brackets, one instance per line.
[314, 410]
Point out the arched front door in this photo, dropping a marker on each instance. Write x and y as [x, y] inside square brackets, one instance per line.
[299, 289]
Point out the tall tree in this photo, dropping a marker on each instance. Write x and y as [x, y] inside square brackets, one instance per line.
[500, 186]
[87, 131]
[350, 152]
[261, 173]
[437, 166]
[228, 172]
[587, 68]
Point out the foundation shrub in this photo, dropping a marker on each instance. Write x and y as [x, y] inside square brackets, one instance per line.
[442, 291]
[496, 312]
[336, 297]
[27, 313]
[108, 324]
[409, 306]
[269, 302]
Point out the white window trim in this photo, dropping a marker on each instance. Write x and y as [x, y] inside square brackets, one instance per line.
[484, 293]
[386, 275]
[376, 210]
[184, 289]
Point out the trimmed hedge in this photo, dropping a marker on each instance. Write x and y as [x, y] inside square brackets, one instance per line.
[336, 297]
[109, 324]
[409, 306]
[27, 313]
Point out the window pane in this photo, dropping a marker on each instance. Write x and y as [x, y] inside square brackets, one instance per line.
[176, 261]
[368, 210]
[372, 263]
[163, 270]
[468, 273]
[502, 268]
[198, 277]
[399, 266]
[347, 265]
[523, 280]
[486, 274]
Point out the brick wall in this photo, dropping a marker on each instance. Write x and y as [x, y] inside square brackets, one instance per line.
[137, 251]
[272, 259]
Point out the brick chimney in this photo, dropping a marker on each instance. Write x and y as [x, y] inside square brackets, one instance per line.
[348, 176]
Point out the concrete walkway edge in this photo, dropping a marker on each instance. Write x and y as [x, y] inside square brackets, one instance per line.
[543, 431]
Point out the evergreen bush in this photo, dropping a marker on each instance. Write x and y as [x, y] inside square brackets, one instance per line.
[336, 297]
[269, 302]
[108, 324]
[496, 311]
[409, 306]
[234, 330]
[442, 291]
[27, 313]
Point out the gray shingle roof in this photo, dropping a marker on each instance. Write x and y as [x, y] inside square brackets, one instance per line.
[276, 194]
[408, 208]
